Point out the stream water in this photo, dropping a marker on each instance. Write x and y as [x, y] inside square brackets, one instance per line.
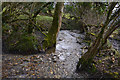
[61, 64]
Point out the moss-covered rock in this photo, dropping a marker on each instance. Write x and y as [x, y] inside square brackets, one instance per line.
[74, 24]
[45, 22]
[22, 42]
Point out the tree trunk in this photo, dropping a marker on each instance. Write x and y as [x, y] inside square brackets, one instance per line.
[50, 41]
[87, 58]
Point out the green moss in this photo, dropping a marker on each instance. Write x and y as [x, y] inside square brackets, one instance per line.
[106, 71]
[6, 28]
[93, 68]
[46, 18]
[100, 61]
[45, 22]
[23, 17]
[108, 43]
[22, 42]
[67, 15]
[45, 45]
[84, 64]
[73, 18]
[111, 73]
[116, 76]
[49, 41]
[26, 43]
[116, 73]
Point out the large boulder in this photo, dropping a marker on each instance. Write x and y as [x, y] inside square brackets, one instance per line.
[21, 43]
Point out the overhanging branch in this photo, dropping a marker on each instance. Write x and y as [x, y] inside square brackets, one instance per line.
[35, 14]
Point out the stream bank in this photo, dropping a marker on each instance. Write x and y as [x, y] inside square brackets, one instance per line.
[61, 64]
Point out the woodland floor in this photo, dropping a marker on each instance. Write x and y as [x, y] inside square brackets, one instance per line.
[61, 64]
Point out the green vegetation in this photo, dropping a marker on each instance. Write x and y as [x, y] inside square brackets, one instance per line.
[23, 17]
[33, 27]
[44, 22]
[44, 18]
[22, 42]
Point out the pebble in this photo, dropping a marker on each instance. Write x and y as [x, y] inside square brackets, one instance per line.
[27, 60]
[66, 46]
[41, 59]
[68, 54]
[38, 57]
[49, 59]
[62, 58]
[35, 61]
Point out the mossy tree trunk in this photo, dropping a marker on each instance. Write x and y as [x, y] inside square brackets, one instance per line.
[50, 40]
[85, 61]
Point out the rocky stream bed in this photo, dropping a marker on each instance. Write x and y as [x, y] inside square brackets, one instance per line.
[61, 64]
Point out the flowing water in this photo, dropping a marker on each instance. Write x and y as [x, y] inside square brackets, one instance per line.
[61, 64]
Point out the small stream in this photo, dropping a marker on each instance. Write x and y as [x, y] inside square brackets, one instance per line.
[68, 50]
[61, 64]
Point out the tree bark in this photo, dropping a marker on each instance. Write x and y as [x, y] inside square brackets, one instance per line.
[87, 58]
[56, 24]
